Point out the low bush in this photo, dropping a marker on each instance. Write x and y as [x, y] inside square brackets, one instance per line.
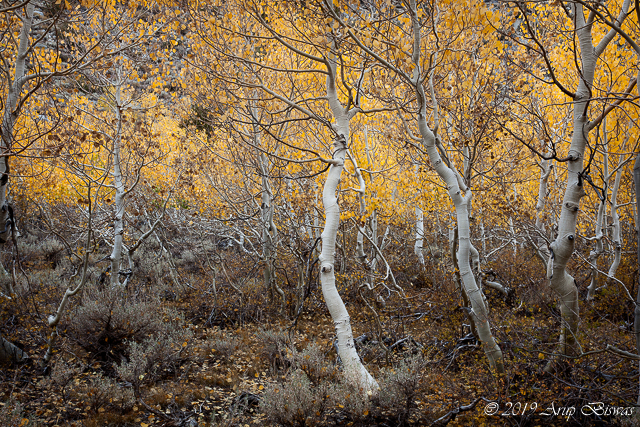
[313, 362]
[104, 393]
[276, 346]
[108, 323]
[400, 386]
[224, 346]
[297, 402]
[156, 356]
[12, 414]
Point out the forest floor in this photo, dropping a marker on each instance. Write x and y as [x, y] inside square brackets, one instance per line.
[229, 355]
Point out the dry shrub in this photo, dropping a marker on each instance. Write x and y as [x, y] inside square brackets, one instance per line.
[351, 401]
[224, 346]
[297, 402]
[157, 355]
[11, 414]
[62, 373]
[401, 386]
[275, 347]
[106, 393]
[311, 390]
[107, 320]
[32, 247]
[313, 362]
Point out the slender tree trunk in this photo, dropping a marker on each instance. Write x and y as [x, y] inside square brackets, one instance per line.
[561, 282]
[352, 364]
[615, 218]
[417, 248]
[541, 245]
[354, 370]
[636, 322]
[9, 117]
[268, 229]
[453, 182]
[615, 233]
[118, 184]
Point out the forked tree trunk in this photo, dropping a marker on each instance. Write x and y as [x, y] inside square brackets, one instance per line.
[561, 282]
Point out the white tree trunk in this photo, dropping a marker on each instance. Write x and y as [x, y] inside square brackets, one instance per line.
[9, 117]
[561, 282]
[417, 248]
[615, 232]
[120, 199]
[453, 182]
[542, 249]
[354, 370]
[268, 228]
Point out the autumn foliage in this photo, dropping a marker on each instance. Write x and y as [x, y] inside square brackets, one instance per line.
[171, 170]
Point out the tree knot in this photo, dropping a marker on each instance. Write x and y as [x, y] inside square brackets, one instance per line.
[572, 206]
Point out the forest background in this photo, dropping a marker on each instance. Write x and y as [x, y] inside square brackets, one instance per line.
[319, 213]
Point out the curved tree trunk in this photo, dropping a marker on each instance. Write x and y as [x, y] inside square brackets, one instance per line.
[453, 181]
[561, 282]
[353, 368]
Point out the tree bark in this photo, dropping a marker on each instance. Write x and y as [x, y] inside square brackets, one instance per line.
[418, 246]
[636, 321]
[354, 370]
[561, 282]
[615, 234]
[10, 353]
[118, 222]
[541, 245]
[9, 117]
[453, 181]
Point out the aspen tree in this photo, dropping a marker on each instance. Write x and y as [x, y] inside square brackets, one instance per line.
[316, 64]
[587, 55]
[460, 194]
